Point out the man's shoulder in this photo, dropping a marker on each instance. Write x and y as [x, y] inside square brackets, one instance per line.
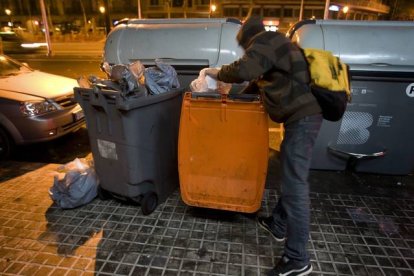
[271, 38]
[271, 34]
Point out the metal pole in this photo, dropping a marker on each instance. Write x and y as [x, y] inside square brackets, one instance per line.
[326, 13]
[301, 11]
[47, 33]
[85, 21]
[168, 9]
[139, 9]
[394, 8]
[107, 20]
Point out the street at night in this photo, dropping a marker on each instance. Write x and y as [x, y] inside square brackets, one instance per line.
[310, 171]
[68, 59]
[361, 225]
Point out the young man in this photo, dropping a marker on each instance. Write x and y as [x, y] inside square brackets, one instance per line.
[279, 72]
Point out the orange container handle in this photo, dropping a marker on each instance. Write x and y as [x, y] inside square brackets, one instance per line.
[225, 97]
[244, 97]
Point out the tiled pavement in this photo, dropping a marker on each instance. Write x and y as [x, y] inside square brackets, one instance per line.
[361, 225]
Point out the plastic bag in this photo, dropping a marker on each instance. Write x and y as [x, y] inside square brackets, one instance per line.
[122, 74]
[128, 79]
[161, 78]
[205, 83]
[74, 184]
[137, 69]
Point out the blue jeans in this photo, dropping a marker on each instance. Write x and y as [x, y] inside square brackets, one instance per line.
[291, 216]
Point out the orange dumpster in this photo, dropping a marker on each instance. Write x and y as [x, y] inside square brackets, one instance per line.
[223, 151]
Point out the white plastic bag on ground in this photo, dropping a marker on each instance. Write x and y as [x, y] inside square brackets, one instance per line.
[205, 83]
[74, 184]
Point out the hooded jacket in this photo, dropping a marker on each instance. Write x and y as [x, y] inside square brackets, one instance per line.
[279, 70]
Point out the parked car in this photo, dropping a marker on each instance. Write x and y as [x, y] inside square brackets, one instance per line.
[34, 106]
[15, 44]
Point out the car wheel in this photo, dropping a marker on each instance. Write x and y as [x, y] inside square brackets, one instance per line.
[149, 203]
[6, 144]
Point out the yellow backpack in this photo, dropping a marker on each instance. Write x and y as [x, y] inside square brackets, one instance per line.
[330, 82]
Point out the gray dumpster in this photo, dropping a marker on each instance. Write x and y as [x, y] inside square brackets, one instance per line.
[134, 143]
[376, 133]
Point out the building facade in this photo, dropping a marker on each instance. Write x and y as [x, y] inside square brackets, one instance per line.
[78, 15]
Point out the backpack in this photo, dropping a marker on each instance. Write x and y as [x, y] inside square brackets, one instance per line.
[330, 82]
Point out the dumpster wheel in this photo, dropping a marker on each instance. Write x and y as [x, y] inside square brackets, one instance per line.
[149, 202]
[103, 194]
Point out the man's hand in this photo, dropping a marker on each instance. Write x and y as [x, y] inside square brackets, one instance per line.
[212, 72]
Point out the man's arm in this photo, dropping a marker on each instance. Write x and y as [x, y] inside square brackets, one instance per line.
[250, 66]
[251, 88]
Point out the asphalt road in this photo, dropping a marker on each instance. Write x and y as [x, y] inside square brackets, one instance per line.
[70, 59]
[65, 65]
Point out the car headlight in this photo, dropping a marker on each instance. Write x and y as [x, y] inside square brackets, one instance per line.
[37, 108]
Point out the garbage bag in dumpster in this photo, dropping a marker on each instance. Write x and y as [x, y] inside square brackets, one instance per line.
[205, 83]
[134, 143]
[128, 79]
[161, 78]
[375, 134]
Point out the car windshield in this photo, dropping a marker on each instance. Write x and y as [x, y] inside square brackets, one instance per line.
[9, 67]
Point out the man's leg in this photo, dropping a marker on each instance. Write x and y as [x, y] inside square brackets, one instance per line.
[296, 157]
[275, 224]
[292, 209]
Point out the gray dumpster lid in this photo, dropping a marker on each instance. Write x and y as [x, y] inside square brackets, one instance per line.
[176, 41]
[364, 45]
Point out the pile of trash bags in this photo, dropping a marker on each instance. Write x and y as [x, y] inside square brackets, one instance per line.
[134, 79]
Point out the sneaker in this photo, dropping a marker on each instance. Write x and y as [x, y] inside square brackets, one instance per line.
[265, 223]
[287, 267]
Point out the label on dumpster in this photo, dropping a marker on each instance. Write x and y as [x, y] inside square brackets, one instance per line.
[384, 121]
[107, 149]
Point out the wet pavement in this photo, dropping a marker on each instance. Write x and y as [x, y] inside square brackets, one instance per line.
[361, 225]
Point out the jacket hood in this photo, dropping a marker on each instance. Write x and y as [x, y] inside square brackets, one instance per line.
[251, 27]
